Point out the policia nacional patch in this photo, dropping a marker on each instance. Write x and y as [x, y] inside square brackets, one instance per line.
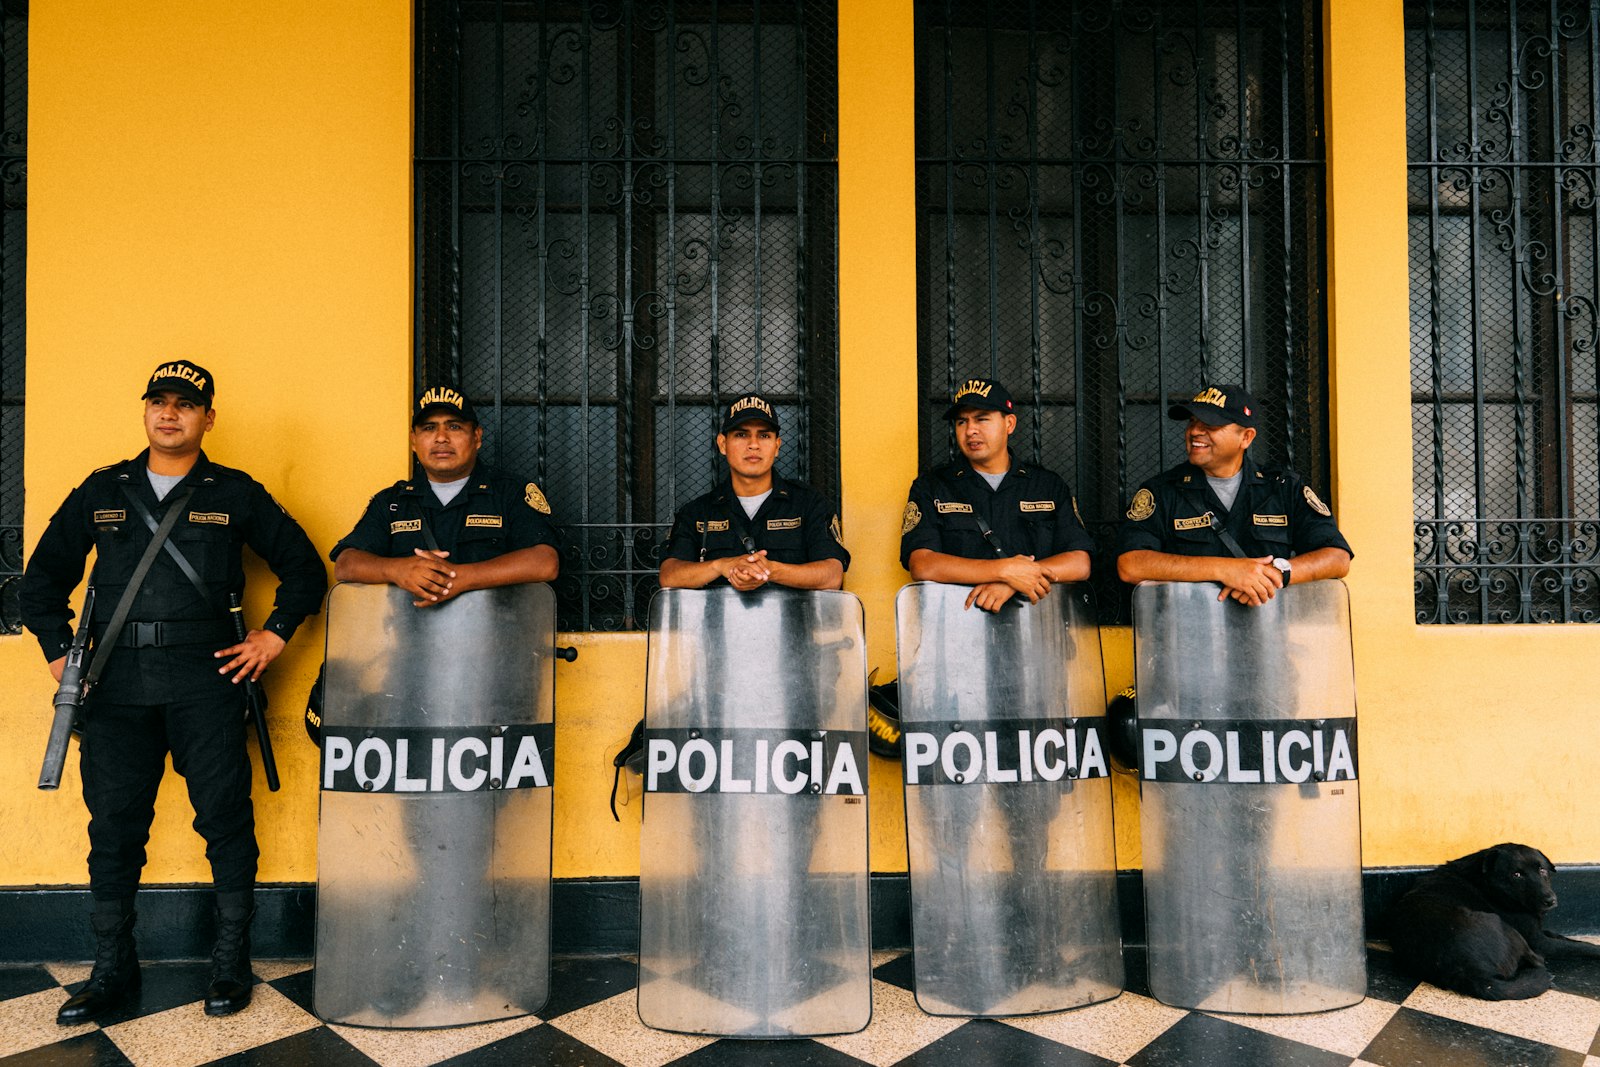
[536, 499]
[1143, 506]
[912, 516]
[1316, 504]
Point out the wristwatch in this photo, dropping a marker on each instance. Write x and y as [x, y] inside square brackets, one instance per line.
[1282, 565]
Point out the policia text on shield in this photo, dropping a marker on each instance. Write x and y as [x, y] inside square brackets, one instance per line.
[168, 528]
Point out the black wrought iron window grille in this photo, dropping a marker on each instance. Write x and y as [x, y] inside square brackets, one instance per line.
[1119, 203]
[1503, 171]
[13, 253]
[626, 216]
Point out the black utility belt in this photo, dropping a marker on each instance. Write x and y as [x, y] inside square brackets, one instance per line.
[178, 632]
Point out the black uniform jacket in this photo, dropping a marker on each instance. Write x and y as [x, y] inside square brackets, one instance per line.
[1275, 514]
[796, 524]
[228, 510]
[492, 515]
[1032, 513]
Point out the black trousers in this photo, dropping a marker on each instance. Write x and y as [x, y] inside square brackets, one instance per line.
[122, 760]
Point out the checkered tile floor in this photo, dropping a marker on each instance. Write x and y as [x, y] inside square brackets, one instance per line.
[591, 1021]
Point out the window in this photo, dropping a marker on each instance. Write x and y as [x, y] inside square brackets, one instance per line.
[1119, 203]
[1502, 179]
[13, 250]
[625, 217]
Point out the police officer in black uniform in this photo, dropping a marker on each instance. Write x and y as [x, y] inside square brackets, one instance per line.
[756, 527]
[986, 520]
[463, 526]
[171, 682]
[1181, 522]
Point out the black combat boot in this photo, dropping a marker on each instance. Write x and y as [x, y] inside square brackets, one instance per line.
[116, 967]
[231, 979]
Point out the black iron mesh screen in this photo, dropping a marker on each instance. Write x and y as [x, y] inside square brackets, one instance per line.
[1502, 178]
[1119, 203]
[626, 215]
[13, 248]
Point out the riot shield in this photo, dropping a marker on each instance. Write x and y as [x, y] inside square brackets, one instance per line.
[753, 873]
[433, 842]
[1008, 803]
[1249, 804]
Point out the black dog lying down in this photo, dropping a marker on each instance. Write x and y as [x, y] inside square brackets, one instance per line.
[1476, 925]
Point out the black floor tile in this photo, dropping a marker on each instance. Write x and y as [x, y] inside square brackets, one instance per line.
[579, 981]
[320, 1046]
[21, 980]
[544, 1045]
[85, 1050]
[297, 987]
[766, 1054]
[1204, 1041]
[900, 971]
[162, 986]
[1418, 1039]
[1577, 976]
[985, 1043]
[1385, 980]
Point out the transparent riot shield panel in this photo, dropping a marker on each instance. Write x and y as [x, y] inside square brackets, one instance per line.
[433, 842]
[1249, 799]
[753, 873]
[1008, 803]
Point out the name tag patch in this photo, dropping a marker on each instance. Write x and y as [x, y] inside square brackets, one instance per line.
[405, 526]
[111, 515]
[214, 518]
[952, 509]
[783, 524]
[484, 520]
[1271, 520]
[1037, 505]
[714, 526]
[1199, 522]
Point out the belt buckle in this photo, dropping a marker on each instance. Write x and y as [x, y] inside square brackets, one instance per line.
[146, 634]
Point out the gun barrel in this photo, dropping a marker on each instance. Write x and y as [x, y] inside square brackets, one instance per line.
[55, 750]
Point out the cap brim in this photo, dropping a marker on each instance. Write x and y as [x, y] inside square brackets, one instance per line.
[431, 408]
[983, 405]
[741, 419]
[183, 389]
[1209, 414]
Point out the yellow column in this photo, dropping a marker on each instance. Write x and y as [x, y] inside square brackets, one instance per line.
[877, 336]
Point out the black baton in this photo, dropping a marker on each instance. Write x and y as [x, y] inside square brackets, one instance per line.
[256, 699]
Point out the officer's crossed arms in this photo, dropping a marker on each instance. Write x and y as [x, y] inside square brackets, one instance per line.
[756, 527]
[490, 530]
[960, 530]
[1179, 522]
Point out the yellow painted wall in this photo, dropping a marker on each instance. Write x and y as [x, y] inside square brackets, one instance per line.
[232, 183]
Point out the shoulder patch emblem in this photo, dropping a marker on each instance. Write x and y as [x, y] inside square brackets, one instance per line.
[536, 499]
[909, 520]
[837, 530]
[1316, 505]
[1143, 506]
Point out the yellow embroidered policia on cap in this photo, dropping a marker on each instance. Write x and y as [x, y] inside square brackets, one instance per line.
[749, 402]
[440, 395]
[974, 387]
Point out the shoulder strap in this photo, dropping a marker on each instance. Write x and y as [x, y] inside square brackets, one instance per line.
[119, 615]
[173, 551]
[1228, 540]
